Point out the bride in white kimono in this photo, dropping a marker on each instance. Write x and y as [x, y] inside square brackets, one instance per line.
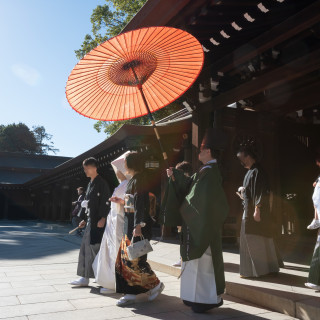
[104, 263]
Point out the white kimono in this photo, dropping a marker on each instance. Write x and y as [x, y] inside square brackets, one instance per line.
[316, 196]
[104, 263]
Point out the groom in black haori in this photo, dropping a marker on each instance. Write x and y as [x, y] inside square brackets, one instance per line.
[199, 204]
[96, 206]
[258, 252]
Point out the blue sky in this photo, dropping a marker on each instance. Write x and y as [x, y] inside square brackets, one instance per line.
[38, 39]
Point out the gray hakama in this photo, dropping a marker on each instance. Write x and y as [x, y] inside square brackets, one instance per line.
[87, 254]
[258, 255]
[314, 273]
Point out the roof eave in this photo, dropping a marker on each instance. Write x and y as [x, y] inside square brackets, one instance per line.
[155, 13]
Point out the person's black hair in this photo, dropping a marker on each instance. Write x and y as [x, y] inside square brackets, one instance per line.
[185, 166]
[248, 151]
[215, 153]
[80, 188]
[135, 161]
[90, 162]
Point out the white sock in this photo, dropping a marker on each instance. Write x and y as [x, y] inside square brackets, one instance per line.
[129, 296]
[157, 287]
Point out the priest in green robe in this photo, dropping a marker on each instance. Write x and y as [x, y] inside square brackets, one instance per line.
[199, 204]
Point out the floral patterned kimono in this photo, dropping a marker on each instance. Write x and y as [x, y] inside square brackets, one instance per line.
[135, 276]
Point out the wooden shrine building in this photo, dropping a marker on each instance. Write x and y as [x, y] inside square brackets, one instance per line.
[260, 81]
[51, 193]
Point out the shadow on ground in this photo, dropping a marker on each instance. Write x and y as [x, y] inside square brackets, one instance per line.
[34, 239]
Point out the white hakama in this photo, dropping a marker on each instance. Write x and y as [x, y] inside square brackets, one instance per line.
[198, 280]
[104, 263]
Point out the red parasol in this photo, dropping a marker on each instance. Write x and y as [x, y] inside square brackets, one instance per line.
[134, 74]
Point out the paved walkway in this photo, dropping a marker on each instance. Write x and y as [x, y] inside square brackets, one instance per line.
[38, 259]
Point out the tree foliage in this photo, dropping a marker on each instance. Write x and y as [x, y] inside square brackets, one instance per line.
[19, 138]
[108, 21]
[43, 140]
[110, 127]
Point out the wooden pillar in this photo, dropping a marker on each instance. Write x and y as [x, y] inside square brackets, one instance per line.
[56, 202]
[65, 202]
[6, 208]
[187, 147]
[46, 204]
[276, 199]
[195, 139]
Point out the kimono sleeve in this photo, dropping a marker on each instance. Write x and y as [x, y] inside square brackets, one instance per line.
[260, 188]
[174, 194]
[104, 204]
[205, 207]
[141, 203]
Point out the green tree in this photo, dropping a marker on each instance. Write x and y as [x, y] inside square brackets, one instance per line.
[110, 127]
[19, 138]
[108, 21]
[43, 140]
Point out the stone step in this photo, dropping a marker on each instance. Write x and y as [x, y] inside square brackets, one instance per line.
[283, 293]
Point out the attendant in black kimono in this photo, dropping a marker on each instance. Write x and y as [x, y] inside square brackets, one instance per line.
[96, 207]
[134, 277]
[76, 212]
[258, 253]
[199, 204]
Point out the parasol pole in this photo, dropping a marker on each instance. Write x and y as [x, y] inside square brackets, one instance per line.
[164, 154]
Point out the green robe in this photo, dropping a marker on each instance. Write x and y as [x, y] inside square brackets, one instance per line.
[200, 205]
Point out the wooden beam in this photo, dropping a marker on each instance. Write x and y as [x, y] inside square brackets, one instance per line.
[280, 96]
[300, 98]
[165, 13]
[304, 98]
[271, 79]
[193, 9]
[303, 20]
